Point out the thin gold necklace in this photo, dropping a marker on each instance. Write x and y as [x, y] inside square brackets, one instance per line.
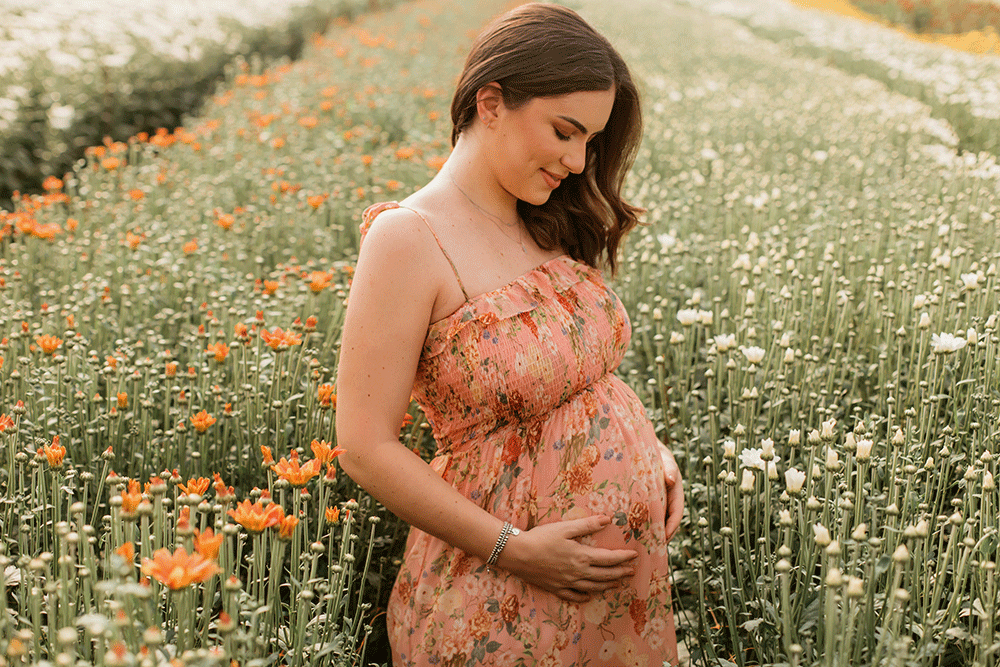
[496, 220]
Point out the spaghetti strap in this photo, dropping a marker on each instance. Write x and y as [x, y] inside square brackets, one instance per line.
[443, 251]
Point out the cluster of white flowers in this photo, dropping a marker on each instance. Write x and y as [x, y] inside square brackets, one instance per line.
[953, 76]
[77, 36]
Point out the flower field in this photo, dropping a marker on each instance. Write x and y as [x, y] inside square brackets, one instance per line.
[72, 72]
[814, 307]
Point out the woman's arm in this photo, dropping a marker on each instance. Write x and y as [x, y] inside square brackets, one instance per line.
[395, 285]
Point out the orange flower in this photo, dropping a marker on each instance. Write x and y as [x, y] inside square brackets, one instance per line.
[332, 514]
[208, 543]
[223, 492]
[122, 400]
[316, 200]
[127, 551]
[295, 474]
[54, 453]
[179, 569]
[225, 220]
[49, 344]
[286, 528]
[191, 246]
[436, 162]
[255, 517]
[405, 153]
[393, 185]
[136, 194]
[51, 184]
[308, 122]
[220, 350]
[195, 486]
[5, 422]
[280, 340]
[133, 240]
[171, 369]
[131, 498]
[202, 421]
[320, 280]
[270, 287]
[265, 451]
[111, 163]
[326, 394]
[72, 224]
[324, 452]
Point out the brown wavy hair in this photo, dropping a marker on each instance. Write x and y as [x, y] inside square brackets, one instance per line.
[545, 50]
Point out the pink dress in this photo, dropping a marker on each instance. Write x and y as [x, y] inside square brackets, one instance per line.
[533, 425]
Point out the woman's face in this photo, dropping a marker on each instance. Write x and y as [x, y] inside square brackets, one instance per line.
[539, 144]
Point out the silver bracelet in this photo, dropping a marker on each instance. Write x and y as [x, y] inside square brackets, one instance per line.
[505, 533]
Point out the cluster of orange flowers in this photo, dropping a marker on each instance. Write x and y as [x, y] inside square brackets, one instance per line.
[180, 569]
[256, 517]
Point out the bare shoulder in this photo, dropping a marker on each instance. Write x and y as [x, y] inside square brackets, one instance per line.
[399, 253]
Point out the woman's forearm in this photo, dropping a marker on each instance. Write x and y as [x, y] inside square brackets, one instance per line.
[410, 489]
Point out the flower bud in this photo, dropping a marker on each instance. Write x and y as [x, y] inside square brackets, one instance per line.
[767, 449]
[794, 479]
[746, 485]
[821, 534]
[864, 449]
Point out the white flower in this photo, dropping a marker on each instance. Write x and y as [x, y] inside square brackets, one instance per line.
[789, 356]
[767, 449]
[821, 534]
[751, 458]
[751, 297]
[667, 241]
[725, 342]
[970, 281]
[746, 484]
[946, 342]
[794, 437]
[687, 317]
[925, 321]
[864, 451]
[706, 317]
[832, 459]
[676, 338]
[794, 479]
[742, 262]
[919, 301]
[772, 471]
[828, 432]
[729, 449]
[988, 484]
[754, 355]
[786, 339]
[972, 336]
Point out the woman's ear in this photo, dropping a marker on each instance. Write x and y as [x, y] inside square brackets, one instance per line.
[489, 101]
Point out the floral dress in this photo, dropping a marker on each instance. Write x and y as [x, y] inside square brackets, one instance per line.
[533, 425]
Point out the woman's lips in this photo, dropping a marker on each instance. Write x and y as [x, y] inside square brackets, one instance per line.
[551, 180]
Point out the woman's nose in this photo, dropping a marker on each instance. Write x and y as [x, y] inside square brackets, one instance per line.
[575, 158]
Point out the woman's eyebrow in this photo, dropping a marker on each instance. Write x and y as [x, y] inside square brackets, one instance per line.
[576, 124]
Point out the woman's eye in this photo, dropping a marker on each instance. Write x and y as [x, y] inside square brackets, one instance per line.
[561, 136]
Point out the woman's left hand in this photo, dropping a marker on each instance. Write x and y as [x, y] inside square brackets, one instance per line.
[675, 492]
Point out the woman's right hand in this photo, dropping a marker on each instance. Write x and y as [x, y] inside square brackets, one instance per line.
[550, 557]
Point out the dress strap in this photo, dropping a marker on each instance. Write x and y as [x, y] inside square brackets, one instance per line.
[443, 251]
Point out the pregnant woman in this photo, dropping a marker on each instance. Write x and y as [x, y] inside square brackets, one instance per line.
[540, 529]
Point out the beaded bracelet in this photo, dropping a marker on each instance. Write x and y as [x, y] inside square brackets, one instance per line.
[505, 533]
